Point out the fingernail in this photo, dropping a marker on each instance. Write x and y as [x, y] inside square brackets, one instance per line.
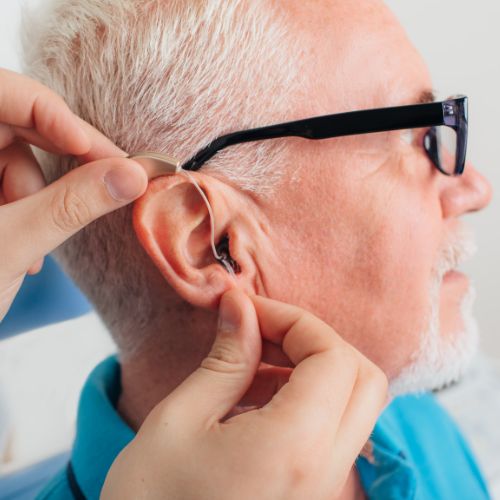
[122, 184]
[229, 315]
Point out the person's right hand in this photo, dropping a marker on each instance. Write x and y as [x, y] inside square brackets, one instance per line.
[34, 218]
[301, 441]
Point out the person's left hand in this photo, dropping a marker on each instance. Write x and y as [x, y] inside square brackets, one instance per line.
[35, 219]
[300, 426]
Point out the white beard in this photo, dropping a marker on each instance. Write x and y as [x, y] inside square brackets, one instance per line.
[442, 360]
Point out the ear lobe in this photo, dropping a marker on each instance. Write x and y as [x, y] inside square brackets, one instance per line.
[173, 225]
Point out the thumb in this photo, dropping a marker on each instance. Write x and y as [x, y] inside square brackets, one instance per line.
[38, 224]
[224, 376]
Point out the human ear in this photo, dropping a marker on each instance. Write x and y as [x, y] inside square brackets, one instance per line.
[172, 223]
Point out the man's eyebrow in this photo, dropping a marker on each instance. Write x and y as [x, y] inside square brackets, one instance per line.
[426, 96]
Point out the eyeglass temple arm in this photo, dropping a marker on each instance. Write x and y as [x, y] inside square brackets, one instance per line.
[329, 126]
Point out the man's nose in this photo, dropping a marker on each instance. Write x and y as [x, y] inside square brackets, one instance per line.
[468, 193]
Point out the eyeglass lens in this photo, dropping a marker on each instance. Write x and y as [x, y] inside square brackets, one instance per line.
[441, 143]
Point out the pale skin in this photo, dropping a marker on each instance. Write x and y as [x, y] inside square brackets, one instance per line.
[314, 367]
[36, 219]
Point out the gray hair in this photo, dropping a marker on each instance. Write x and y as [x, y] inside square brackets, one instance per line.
[167, 76]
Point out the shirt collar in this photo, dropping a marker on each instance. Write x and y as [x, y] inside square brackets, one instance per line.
[100, 431]
[383, 467]
[101, 434]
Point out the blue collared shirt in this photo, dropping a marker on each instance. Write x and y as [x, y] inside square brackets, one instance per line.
[415, 451]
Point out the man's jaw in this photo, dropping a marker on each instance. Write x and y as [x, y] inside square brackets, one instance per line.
[440, 360]
[443, 358]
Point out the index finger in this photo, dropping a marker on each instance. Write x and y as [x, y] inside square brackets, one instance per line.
[100, 146]
[326, 370]
[28, 104]
[299, 332]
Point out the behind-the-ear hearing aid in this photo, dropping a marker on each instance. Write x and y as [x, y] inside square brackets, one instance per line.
[155, 165]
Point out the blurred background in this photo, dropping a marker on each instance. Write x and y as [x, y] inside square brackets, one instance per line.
[42, 371]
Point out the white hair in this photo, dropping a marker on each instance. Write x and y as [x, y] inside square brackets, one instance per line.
[443, 359]
[167, 76]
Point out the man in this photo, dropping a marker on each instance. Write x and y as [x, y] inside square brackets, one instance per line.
[36, 218]
[362, 230]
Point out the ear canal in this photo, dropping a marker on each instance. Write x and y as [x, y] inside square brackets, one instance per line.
[225, 257]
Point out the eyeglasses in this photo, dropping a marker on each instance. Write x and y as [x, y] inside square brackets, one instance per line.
[445, 141]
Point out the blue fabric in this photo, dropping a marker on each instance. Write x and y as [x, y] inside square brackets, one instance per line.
[419, 453]
[415, 452]
[48, 297]
[27, 483]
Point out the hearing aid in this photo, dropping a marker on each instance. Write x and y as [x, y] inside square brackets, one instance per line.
[156, 165]
[226, 259]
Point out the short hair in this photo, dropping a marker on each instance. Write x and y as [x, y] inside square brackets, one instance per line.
[166, 76]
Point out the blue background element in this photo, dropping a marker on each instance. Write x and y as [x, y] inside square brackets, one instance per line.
[48, 297]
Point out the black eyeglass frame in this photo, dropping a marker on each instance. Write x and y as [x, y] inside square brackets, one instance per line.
[453, 113]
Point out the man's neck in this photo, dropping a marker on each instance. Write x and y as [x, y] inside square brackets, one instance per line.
[148, 376]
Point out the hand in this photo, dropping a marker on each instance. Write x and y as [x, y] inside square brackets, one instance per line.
[312, 417]
[35, 219]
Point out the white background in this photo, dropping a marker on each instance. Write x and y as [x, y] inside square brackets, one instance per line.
[460, 41]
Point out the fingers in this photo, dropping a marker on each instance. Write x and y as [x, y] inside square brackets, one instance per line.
[100, 146]
[28, 104]
[365, 405]
[21, 176]
[333, 392]
[33, 113]
[224, 376]
[32, 227]
[20, 173]
[299, 332]
[266, 383]
[272, 354]
[36, 267]
[31, 136]
[326, 367]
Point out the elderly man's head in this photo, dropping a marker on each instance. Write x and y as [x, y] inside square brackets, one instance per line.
[363, 230]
